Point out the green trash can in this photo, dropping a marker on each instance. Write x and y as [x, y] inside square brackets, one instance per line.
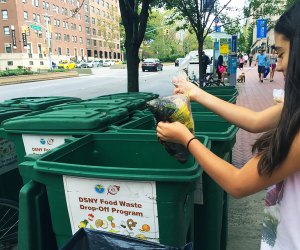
[147, 96]
[209, 208]
[8, 158]
[108, 104]
[37, 103]
[121, 183]
[40, 131]
[226, 90]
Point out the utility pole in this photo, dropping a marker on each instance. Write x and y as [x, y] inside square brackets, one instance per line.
[48, 37]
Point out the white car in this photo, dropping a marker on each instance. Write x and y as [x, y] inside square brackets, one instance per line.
[108, 62]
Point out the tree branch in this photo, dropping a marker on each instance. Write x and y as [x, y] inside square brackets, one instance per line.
[129, 8]
[143, 20]
[206, 18]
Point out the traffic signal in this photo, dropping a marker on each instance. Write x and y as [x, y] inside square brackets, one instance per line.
[26, 30]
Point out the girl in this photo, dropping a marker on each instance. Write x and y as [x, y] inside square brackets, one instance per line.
[277, 158]
[221, 69]
[273, 60]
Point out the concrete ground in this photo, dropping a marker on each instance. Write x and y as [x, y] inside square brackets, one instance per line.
[245, 215]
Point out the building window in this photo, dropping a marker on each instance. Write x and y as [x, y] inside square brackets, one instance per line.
[34, 17]
[88, 42]
[86, 18]
[86, 8]
[37, 3]
[38, 18]
[80, 28]
[80, 40]
[10, 63]
[93, 20]
[95, 42]
[3, 1]
[79, 16]
[41, 63]
[30, 62]
[59, 51]
[87, 30]
[4, 15]
[107, 5]
[8, 48]
[92, 9]
[100, 43]
[102, 3]
[94, 32]
[67, 52]
[58, 23]
[6, 31]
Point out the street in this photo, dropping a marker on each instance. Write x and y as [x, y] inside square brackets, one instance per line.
[103, 81]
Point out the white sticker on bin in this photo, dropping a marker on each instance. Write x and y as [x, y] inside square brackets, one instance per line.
[40, 144]
[123, 207]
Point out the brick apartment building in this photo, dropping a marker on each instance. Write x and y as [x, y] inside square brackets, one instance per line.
[31, 30]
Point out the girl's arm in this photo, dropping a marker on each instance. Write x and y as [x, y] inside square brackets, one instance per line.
[244, 118]
[237, 182]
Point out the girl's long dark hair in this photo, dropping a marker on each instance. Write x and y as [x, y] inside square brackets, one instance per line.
[273, 146]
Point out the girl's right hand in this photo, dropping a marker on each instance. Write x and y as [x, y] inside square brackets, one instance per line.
[182, 86]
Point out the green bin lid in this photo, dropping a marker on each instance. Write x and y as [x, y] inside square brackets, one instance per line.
[118, 156]
[7, 113]
[65, 121]
[37, 103]
[131, 105]
[147, 96]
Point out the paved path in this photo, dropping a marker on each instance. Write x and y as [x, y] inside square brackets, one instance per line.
[245, 215]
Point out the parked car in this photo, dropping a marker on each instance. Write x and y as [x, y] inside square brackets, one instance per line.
[97, 63]
[64, 64]
[108, 62]
[88, 64]
[152, 64]
[78, 64]
[178, 61]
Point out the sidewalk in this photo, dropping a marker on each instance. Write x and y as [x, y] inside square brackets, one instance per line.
[245, 215]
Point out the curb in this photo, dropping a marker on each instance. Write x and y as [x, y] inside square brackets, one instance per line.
[38, 77]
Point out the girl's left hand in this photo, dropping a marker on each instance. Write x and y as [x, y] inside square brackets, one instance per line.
[173, 132]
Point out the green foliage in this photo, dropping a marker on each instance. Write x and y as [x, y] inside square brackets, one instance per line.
[170, 58]
[16, 72]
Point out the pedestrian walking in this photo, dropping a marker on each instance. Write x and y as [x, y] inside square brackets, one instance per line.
[275, 165]
[261, 60]
[250, 59]
[241, 62]
[267, 68]
[273, 61]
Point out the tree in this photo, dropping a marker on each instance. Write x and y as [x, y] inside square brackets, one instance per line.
[198, 14]
[134, 14]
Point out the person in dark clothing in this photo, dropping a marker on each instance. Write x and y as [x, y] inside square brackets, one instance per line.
[205, 61]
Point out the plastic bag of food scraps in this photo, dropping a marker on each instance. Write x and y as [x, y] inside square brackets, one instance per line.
[171, 109]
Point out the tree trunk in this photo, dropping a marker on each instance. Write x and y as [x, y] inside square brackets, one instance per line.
[200, 48]
[133, 61]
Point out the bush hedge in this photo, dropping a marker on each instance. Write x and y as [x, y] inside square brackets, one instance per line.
[16, 72]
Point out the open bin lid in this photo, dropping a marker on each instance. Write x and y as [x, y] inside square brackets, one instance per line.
[37, 103]
[104, 157]
[8, 112]
[147, 96]
[65, 120]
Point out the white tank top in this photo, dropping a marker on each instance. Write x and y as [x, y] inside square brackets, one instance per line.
[281, 225]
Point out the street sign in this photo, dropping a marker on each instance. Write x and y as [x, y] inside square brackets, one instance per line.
[217, 28]
[262, 28]
[24, 39]
[234, 44]
[35, 27]
[207, 5]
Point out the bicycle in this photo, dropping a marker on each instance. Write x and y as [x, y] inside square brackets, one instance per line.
[206, 81]
[9, 220]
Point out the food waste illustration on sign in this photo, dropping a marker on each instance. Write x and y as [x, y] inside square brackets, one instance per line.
[123, 207]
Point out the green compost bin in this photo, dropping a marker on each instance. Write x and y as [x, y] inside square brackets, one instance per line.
[37, 103]
[147, 96]
[40, 131]
[225, 90]
[208, 231]
[131, 105]
[10, 181]
[196, 107]
[122, 183]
